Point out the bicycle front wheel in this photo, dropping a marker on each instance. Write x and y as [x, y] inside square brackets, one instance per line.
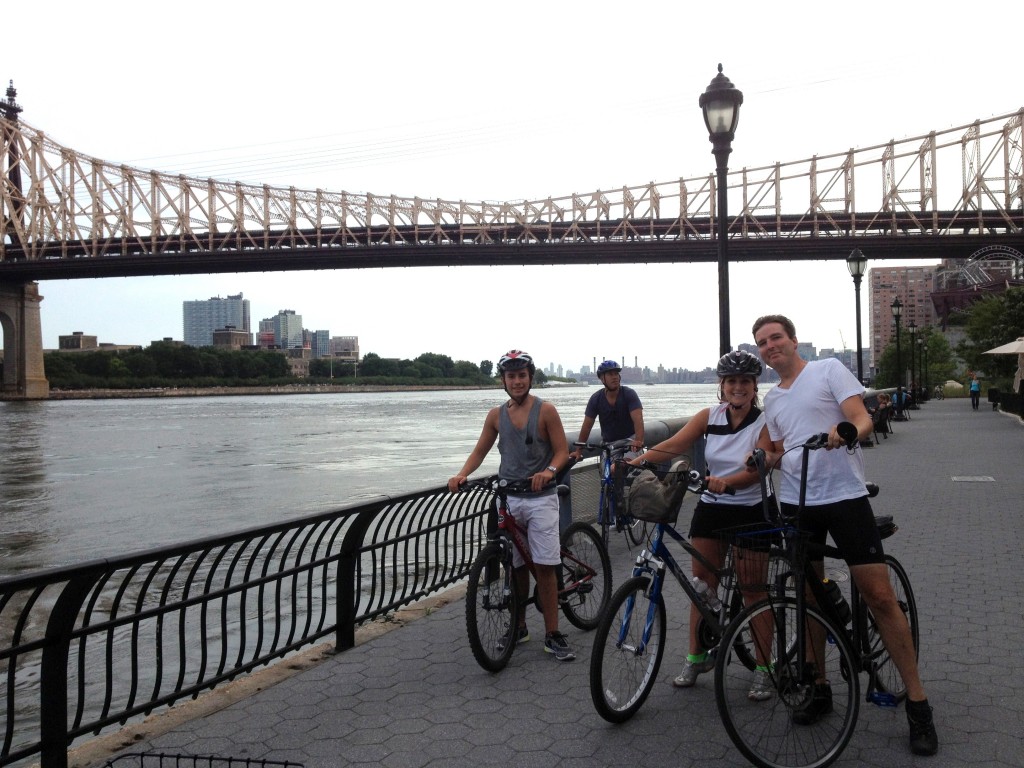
[492, 607]
[605, 516]
[585, 585]
[887, 677]
[794, 728]
[628, 648]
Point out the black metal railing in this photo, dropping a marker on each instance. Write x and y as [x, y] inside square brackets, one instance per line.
[86, 647]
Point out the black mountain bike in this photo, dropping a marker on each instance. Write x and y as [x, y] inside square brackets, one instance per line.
[815, 636]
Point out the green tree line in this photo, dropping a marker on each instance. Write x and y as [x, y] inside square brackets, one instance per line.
[164, 364]
[988, 323]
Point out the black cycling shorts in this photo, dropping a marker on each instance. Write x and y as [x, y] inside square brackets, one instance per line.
[712, 521]
[851, 523]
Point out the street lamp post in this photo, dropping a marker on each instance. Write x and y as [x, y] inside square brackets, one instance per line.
[921, 366]
[720, 103]
[897, 310]
[857, 262]
[924, 373]
[912, 327]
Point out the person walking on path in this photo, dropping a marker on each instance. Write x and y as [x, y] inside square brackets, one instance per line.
[732, 429]
[533, 446]
[975, 392]
[812, 398]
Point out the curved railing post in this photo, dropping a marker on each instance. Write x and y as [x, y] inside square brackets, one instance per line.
[346, 589]
[53, 669]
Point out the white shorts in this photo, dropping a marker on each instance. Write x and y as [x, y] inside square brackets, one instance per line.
[537, 518]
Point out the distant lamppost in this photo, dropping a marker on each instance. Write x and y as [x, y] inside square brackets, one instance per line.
[897, 310]
[912, 327]
[857, 262]
[924, 373]
[720, 103]
[920, 365]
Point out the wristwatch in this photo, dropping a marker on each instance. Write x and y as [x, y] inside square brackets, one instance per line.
[553, 470]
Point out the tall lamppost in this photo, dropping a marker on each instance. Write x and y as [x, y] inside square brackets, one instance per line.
[921, 366]
[897, 310]
[720, 103]
[857, 262]
[912, 327]
[924, 373]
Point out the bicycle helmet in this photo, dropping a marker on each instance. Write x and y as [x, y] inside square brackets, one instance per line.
[608, 365]
[739, 363]
[515, 359]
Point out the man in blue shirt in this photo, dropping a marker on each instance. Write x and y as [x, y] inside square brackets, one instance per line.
[616, 408]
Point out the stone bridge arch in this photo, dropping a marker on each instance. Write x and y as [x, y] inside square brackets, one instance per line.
[23, 376]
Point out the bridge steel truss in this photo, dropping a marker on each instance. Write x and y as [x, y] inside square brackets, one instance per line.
[67, 215]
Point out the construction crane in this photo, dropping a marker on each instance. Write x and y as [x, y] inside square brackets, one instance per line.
[842, 339]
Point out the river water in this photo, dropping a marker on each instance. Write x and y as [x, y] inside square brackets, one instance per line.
[85, 479]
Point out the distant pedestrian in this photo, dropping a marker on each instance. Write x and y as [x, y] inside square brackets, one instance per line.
[975, 392]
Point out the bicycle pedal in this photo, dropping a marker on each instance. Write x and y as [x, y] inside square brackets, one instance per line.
[882, 699]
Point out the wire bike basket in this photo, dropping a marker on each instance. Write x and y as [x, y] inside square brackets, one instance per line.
[654, 498]
[165, 760]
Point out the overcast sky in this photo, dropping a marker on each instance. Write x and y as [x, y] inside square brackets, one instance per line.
[492, 101]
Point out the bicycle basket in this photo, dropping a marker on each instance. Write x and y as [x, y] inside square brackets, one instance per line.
[165, 760]
[654, 499]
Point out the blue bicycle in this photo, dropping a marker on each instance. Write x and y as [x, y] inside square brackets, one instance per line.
[611, 509]
[630, 641]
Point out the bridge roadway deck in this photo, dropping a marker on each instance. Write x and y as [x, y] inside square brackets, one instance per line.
[415, 697]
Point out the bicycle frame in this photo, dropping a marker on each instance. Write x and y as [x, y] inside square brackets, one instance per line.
[656, 559]
[799, 551]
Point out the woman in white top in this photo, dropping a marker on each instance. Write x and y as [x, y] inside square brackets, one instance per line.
[731, 430]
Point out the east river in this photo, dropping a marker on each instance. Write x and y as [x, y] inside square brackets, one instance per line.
[85, 479]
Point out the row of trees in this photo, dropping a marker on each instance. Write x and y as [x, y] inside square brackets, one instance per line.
[164, 364]
[989, 323]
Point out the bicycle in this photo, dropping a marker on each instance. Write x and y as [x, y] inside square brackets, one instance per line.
[493, 603]
[629, 644]
[815, 635]
[609, 511]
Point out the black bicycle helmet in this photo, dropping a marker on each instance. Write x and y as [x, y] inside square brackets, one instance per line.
[608, 365]
[739, 363]
[515, 359]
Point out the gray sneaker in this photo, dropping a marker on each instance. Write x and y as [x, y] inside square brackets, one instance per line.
[522, 636]
[556, 643]
[763, 688]
[690, 671]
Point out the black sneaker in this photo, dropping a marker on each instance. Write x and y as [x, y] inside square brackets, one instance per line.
[819, 706]
[923, 739]
[522, 636]
[556, 643]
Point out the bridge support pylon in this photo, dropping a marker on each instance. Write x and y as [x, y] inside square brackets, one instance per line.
[24, 377]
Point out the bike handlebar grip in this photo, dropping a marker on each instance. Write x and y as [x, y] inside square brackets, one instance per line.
[847, 431]
[872, 490]
[756, 456]
[730, 491]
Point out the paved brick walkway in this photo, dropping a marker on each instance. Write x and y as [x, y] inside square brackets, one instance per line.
[414, 696]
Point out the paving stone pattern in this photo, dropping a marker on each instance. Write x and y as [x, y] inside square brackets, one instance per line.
[414, 697]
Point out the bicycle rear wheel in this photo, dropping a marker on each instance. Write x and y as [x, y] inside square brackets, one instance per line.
[636, 530]
[492, 607]
[585, 581]
[605, 518]
[765, 731]
[628, 648]
[887, 677]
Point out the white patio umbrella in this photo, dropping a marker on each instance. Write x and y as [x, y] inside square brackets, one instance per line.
[1012, 348]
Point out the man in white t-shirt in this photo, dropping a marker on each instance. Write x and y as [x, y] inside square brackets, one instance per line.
[812, 398]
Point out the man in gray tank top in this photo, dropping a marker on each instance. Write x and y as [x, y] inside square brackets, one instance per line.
[533, 447]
